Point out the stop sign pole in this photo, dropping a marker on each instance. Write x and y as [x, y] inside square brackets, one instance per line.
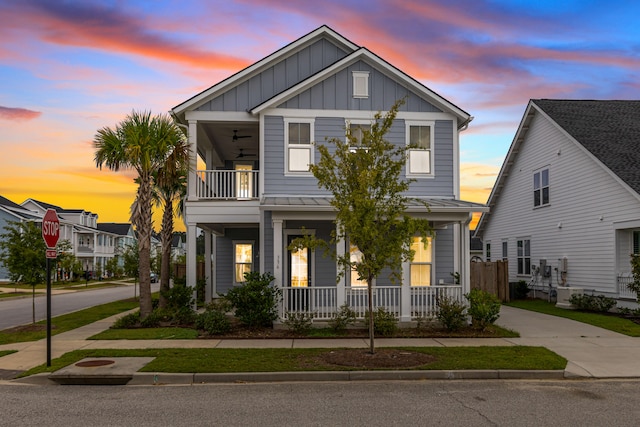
[50, 234]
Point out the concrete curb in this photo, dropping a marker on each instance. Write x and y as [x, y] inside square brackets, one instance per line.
[161, 378]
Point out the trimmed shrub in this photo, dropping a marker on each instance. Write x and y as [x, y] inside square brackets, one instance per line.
[597, 303]
[341, 319]
[384, 323]
[451, 313]
[521, 290]
[484, 308]
[214, 322]
[299, 323]
[128, 321]
[256, 301]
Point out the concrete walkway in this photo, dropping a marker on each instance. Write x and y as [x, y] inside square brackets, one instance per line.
[592, 352]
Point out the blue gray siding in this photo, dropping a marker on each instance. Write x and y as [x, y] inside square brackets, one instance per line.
[325, 266]
[443, 251]
[277, 78]
[335, 93]
[224, 255]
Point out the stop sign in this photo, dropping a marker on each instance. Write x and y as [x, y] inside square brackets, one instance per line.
[51, 228]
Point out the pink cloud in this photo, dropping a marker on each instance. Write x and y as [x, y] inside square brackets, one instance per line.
[9, 113]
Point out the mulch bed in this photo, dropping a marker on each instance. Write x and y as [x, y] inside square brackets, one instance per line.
[380, 359]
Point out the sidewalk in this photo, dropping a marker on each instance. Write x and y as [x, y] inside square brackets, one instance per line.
[592, 352]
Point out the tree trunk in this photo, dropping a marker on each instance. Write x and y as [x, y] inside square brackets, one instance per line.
[371, 314]
[166, 235]
[144, 245]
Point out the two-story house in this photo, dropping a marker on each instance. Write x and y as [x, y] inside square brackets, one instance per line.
[565, 208]
[253, 136]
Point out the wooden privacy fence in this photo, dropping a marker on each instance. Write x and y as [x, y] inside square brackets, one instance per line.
[180, 270]
[492, 277]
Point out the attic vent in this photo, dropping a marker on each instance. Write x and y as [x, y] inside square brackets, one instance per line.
[360, 84]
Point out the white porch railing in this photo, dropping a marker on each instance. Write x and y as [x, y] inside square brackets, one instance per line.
[227, 184]
[322, 301]
[623, 291]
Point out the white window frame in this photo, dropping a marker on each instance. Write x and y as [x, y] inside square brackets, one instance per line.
[235, 263]
[505, 250]
[419, 154]
[349, 123]
[538, 200]
[522, 256]
[430, 263]
[288, 146]
[360, 84]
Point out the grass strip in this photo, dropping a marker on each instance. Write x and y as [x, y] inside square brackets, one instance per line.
[17, 294]
[68, 321]
[5, 352]
[606, 321]
[147, 334]
[219, 360]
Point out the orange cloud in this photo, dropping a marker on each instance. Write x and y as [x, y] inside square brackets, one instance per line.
[8, 113]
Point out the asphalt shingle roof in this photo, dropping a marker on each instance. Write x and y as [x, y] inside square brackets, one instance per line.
[610, 130]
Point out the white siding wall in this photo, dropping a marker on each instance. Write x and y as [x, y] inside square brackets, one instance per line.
[584, 198]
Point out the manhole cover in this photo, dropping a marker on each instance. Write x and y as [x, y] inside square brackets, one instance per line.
[93, 363]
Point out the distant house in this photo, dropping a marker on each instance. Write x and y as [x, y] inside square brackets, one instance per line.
[475, 247]
[13, 212]
[125, 237]
[565, 209]
[255, 135]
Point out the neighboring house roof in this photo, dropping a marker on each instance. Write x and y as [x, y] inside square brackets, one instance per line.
[475, 243]
[121, 229]
[608, 130]
[177, 241]
[8, 203]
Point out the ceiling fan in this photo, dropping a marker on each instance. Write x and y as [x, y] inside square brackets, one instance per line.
[237, 137]
[242, 154]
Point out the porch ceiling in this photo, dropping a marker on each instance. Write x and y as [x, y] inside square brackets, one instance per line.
[218, 136]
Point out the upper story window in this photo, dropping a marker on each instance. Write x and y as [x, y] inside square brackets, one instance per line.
[357, 130]
[299, 149]
[420, 141]
[541, 187]
[360, 84]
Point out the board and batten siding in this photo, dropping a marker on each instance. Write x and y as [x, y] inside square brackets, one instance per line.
[277, 183]
[443, 249]
[336, 93]
[277, 78]
[585, 202]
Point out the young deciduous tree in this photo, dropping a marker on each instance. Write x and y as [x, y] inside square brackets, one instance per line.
[364, 174]
[22, 252]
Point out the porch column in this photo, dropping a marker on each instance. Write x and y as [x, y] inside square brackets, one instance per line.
[208, 291]
[193, 160]
[277, 252]
[405, 293]
[465, 258]
[191, 260]
[341, 298]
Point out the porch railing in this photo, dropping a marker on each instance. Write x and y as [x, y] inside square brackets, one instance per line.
[322, 301]
[623, 280]
[227, 184]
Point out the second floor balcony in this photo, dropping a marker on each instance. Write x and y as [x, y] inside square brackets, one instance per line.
[227, 184]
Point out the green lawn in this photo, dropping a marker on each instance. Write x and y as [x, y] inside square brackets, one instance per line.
[605, 321]
[5, 352]
[17, 294]
[219, 360]
[147, 334]
[68, 322]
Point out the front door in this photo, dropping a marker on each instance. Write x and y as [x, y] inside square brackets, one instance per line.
[299, 280]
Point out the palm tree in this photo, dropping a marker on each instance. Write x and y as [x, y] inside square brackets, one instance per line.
[170, 187]
[142, 143]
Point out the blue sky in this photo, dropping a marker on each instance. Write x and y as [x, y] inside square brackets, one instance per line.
[68, 68]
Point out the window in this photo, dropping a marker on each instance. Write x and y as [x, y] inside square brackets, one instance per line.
[243, 260]
[421, 263]
[541, 187]
[357, 130]
[360, 84]
[419, 139]
[505, 252]
[355, 257]
[299, 149]
[524, 257]
[488, 251]
[636, 242]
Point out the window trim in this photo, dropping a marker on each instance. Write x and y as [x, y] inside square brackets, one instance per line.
[234, 243]
[431, 264]
[360, 78]
[505, 249]
[310, 146]
[487, 251]
[538, 200]
[422, 123]
[523, 257]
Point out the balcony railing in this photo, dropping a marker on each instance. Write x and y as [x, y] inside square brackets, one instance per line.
[227, 184]
[322, 301]
[625, 279]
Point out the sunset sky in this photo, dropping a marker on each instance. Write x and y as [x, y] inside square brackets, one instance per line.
[68, 68]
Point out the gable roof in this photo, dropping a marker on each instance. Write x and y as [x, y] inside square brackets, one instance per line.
[355, 53]
[242, 75]
[121, 229]
[8, 203]
[607, 129]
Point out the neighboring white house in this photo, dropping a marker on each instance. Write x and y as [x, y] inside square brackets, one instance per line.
[125, 237]
[253, 137]
[565, 209]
